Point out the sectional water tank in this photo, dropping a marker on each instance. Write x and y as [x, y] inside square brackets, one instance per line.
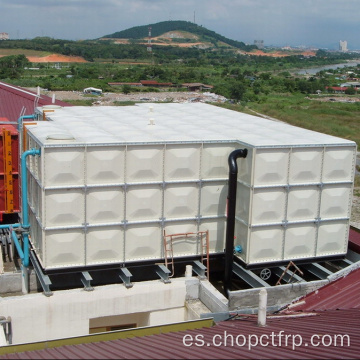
[110, 180]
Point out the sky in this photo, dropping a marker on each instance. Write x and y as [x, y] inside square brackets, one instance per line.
[310, 23]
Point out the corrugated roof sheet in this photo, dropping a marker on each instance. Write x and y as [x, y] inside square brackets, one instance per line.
[301, 337]
[354, 239]
[343, 293]
[16, 101]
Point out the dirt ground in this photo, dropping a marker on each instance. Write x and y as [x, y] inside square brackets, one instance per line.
[107, 99]
[56, 58]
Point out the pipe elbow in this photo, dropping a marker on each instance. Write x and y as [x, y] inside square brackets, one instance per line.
[238, 153]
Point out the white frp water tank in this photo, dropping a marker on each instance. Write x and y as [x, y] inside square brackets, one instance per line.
[110, 180]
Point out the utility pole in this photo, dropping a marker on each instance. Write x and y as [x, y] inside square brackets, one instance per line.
[149, 45]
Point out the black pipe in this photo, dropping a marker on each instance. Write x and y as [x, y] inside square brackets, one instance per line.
[231, 209]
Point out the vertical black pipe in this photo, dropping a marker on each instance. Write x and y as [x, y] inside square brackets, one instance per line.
[231, 208]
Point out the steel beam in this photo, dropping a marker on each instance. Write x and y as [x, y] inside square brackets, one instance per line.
[318, 270]
[199, 269]
[43, 279]
[163, 272]
[125, 276]
[249, 277]
[86, 279]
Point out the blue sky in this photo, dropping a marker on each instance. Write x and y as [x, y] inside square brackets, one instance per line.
[317, 23]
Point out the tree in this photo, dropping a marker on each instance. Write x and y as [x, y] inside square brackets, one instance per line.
[238, 89]
[126, 89]
[350, 90]
[13, 66]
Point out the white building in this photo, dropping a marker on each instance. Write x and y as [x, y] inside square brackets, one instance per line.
[4, 36]
[343, 45]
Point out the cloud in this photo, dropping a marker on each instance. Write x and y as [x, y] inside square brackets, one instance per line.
[276, 21]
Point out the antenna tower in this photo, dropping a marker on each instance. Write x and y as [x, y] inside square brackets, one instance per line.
[149, 46]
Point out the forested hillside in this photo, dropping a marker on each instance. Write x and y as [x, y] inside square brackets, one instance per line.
[140, 32]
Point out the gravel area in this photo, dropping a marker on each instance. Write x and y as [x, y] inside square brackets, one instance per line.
[107, 99]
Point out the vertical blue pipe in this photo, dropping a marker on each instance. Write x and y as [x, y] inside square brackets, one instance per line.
[17, 245]
[25, 213]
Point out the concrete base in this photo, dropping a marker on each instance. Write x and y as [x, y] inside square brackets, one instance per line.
[12, 283]
[195, 308]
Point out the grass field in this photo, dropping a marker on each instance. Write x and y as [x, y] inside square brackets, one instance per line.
[8, 52]
[335, 118]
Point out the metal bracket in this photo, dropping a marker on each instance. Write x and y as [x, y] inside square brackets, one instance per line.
[7, 327]
[85, 279]
[199, 269]
[249, 277]
[125, 276]
[164, 273]
[43, 279]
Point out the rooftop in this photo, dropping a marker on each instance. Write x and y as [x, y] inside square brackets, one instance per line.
[174, 123]
[333, 334]
[16, 101]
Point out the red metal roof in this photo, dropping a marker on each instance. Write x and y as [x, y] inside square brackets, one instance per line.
[338, 88]
[125, 83]
[344, 293]
[154, 82]
[354, 239]
[301, 338]
[4, 125]
[16, 101]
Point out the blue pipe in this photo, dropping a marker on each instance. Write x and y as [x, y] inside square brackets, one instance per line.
[25, 117]
[25, 213]
[9, 226]
[18, 246]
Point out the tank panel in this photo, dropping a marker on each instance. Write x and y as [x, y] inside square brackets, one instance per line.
[109, 182]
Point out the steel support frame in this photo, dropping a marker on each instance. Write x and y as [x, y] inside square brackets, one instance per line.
[43, 279]
[248, 276]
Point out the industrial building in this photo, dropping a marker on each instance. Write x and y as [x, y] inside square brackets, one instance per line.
[154, 214]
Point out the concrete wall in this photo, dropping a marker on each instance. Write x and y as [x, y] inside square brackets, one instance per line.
[276, 295]
[283, 294]
[68, 313]
[11, 282]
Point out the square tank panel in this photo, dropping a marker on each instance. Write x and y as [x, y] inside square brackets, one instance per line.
[109, 182]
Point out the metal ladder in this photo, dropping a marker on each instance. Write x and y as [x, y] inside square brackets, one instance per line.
[292, 273]
[8, 174]
[169, 248]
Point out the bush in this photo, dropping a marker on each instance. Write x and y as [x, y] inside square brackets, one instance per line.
[350, 91]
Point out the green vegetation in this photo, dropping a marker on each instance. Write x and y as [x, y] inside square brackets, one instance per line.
[255, 84]
[13, 66]
[140, 32]
[332, 118]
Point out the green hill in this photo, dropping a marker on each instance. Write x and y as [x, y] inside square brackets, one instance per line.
[158, 29]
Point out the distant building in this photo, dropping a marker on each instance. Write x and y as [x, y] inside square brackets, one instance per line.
[259, 43]
[354, 84]
[343, 45]
[196, 86]
[92, 91]
[4, 36]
